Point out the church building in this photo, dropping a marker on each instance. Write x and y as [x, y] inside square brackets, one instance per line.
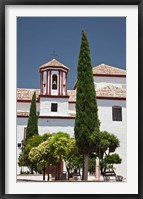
[56, 105]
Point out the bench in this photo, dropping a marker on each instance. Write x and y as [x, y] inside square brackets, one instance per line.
[76, 176]
[108, 174]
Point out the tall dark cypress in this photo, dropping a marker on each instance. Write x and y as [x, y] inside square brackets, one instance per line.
[32, 126]
[86, 106]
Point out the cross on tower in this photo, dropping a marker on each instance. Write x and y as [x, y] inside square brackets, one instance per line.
[54, 55]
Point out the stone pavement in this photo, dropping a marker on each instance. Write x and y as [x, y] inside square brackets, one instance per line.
[39, 178]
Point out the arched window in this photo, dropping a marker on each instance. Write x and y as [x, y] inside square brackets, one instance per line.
[117, 113]
[54, 82]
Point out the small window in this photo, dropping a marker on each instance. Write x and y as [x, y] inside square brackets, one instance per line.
[54, 82]
[117, 113]
[19, 145]
[54, 107]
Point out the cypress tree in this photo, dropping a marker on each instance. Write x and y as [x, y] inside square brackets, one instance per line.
[86, 120]
[32, 126]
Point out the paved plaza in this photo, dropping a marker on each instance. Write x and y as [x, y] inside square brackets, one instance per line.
[39, 178]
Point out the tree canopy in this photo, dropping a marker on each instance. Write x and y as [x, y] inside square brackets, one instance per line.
[86, 120]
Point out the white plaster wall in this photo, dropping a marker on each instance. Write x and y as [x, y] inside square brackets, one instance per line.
[45, 106]
[101, 81]
[118, 128]
[21, 124]
[47, 125]
[71, 107]
[25, 106]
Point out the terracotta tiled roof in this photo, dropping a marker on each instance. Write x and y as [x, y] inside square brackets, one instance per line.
[72, 94]
[107, 91]
[22, 113]
[53, 63]
[26, 94]
[104, 69]
[111, 91]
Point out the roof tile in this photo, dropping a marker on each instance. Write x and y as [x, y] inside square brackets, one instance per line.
[104, 69]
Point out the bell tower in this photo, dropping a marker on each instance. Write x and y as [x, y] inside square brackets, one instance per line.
[53, 78]
[53, 89]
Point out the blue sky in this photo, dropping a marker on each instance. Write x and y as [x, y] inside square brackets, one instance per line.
[38, 37]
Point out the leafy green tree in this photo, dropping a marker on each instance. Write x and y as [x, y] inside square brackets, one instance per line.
[86, 106]
[34, 141]
[109, 161]
[106, 143]
[73, 159]
[59, 145]
[42, 156]
[32, 126]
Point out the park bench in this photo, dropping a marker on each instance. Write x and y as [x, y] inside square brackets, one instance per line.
[108, 174]
[111, 173]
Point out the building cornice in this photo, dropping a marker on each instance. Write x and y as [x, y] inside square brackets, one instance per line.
[54, 96]
[109, 75]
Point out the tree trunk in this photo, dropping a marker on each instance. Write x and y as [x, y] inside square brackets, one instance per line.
[48, 177]
[44, 171]
[86, 161]
[57, 177]
[68, 172]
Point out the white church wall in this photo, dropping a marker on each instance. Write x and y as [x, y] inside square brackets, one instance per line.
[102, 81]
[25, 106]
[72, 107]
[118, 128]
[49, 125]
[67, 125]
[21, 124]
[45, 106]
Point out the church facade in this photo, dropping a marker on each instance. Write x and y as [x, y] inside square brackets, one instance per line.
[56, 105]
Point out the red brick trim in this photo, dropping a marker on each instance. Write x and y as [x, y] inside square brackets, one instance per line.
[26, 101]
[41, 83]
[109, 75]
[54, 96]
[49, 117]
[23, 116]
[47, 84]
[57, 117]
[50, 84]
[54, 68]
[111, 98]
[59, 83]
[62, 83]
